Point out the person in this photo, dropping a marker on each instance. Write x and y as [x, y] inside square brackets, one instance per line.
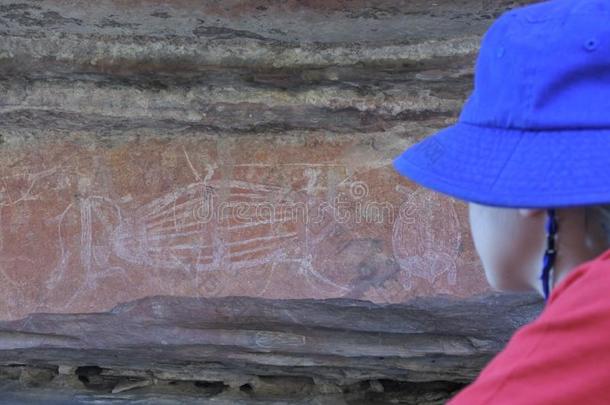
[530, 154]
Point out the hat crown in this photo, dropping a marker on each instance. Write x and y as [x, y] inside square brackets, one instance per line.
[544, 66]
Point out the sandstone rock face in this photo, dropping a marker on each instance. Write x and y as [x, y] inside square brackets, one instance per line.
[242, 350]
[200, 149]
[292, 215]
[214, 149]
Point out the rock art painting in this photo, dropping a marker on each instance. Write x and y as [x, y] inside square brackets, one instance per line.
[83, 228]
[426, 238]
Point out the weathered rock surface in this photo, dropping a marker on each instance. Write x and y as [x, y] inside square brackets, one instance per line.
[278, 216]
[150, 35]
[336, 350]
[213, 149]
[233, 149]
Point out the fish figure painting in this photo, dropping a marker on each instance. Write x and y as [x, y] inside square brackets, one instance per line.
[109, 225]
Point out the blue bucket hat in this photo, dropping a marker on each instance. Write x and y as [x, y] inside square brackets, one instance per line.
[535, 131]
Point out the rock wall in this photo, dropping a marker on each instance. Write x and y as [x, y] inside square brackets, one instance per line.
[213, 149]
[251, 350]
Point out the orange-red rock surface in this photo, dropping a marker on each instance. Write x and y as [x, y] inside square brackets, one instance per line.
[85, 225]
[239, 153]
[222, 148]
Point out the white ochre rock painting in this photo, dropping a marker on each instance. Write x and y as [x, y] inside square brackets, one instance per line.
[201, 229]
[426, 238]
[179, 231]
[222, 233]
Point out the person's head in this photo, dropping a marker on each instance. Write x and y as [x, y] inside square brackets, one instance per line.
[511, 241]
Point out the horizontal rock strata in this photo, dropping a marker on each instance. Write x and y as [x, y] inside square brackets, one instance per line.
[239, 154]
[239, 348]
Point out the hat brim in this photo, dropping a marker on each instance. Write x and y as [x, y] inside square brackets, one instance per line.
[513, 167]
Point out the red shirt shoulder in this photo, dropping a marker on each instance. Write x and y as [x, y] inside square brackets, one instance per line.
[562, 357]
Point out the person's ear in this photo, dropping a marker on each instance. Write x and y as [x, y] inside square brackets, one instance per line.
[531, 212]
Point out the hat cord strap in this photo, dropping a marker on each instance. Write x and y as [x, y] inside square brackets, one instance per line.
[550, 252]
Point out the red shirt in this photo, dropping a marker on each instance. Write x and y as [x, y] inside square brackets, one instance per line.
[563, 357]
